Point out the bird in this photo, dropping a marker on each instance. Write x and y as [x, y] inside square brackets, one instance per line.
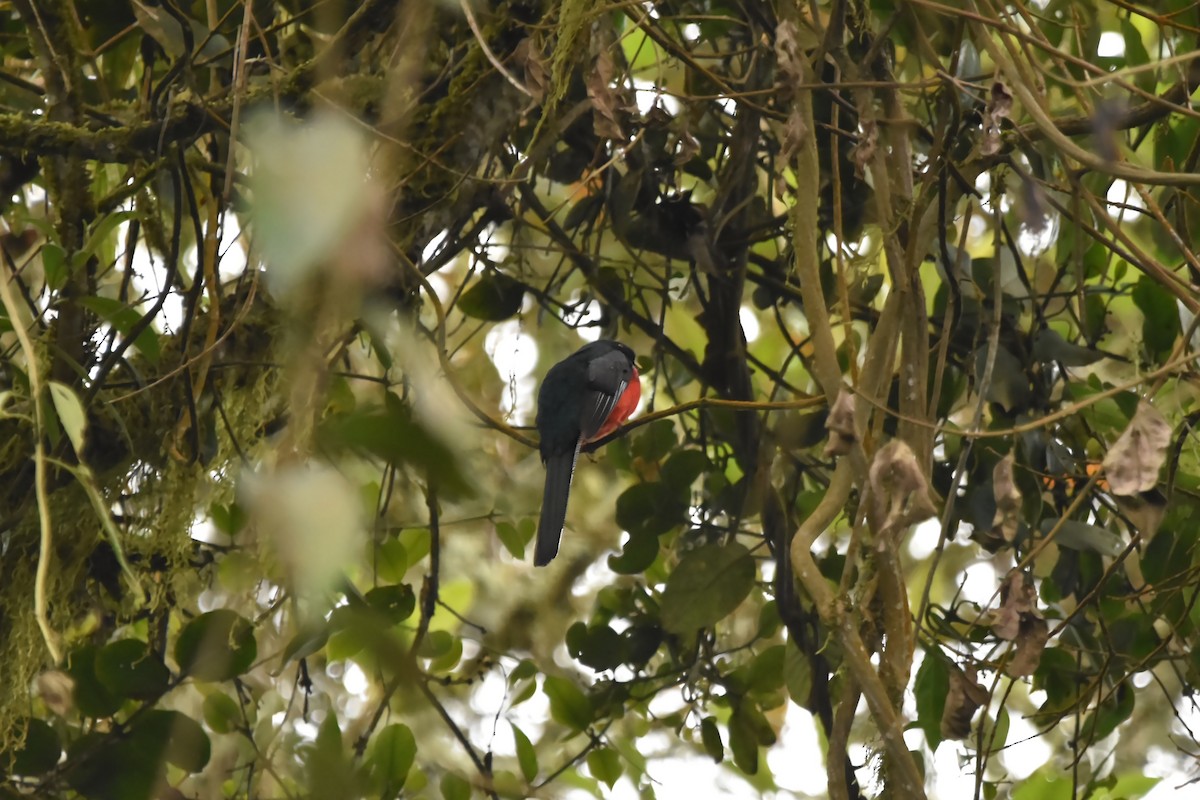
[583, 398]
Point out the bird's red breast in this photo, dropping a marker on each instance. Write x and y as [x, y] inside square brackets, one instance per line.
[626, 404]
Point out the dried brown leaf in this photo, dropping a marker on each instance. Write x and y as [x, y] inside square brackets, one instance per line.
[840, 424]
[966, 695]
[1133, 462]
[57, 690]
[1030, 643]
[537, 77]
[1018, 600]
[899, 488]
[1008, 499]
[1000, 103]
[868, 141]
[787, 51]
[605, 104]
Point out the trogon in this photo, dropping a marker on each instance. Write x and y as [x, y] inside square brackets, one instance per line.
[583, 398]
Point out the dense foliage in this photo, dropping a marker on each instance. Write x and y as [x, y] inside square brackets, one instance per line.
[913, 289]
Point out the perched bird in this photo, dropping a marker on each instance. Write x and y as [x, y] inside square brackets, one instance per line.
[583, 398]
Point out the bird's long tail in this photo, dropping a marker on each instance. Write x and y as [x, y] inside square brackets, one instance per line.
[559, 471]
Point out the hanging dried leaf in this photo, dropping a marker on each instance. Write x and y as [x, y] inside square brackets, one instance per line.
[1008, 500]
[864, 151]
[787, 52]
[965, 696]
[1134, 460]
[536, 76]
[899, 488]
[840, 424]
[1145, 510]
[1030, 643]
[1000, 103]
[605, 104]
[1018, 599]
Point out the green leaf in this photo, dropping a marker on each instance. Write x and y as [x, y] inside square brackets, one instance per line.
[656, 440]
[178, 738]
[70, 414]
[1160, 316]
[710, 736]
[128, 668]
[602, 648]
[216, 646]
[305, 642]
[605, 765]
[221, 713]
[743, 742]
[797, 676]
[38, 753]
[54, 266]
[123, 319]
[526, 754]
[92, 698]
[767, 670]
[391, 561]
[455, 787]
[931, 687]
[683, 468]
[393, 434]
[392, 754]
[514, 538]
[1045, 784]
[395, 603]
[707, 585]
[569, 706]
[636, 556]
[494, 297]
[1081, 536]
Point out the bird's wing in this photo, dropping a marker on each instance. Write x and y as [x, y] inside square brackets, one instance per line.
[607, 377]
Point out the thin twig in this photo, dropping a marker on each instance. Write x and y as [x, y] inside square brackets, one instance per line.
[46, 525]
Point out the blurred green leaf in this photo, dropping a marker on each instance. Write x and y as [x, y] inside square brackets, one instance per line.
[216, 646]
[605, 765]
[655, 440]
[1081, 536]
[70, 414]
[710, 736]
[526, 754]
[395, 603]
[392, 434]
[177, 737]
[494, 297]
[222, 713]
[931, 687]
[1160, 316]
[569, 706]
[124, 319]
[455, 787]
[128, 668]
[706, 586]
[393, 751]
[39, 751]
[92, 698]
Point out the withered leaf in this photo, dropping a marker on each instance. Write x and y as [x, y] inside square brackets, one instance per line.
[966, 695]
[899, 488]
[1133, 462]
[1018, 600]
[605, 103]
[1008, 499]
[1030, 643]
[787, 51]
[537, 78]
[840, 424]
[1000, 103]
